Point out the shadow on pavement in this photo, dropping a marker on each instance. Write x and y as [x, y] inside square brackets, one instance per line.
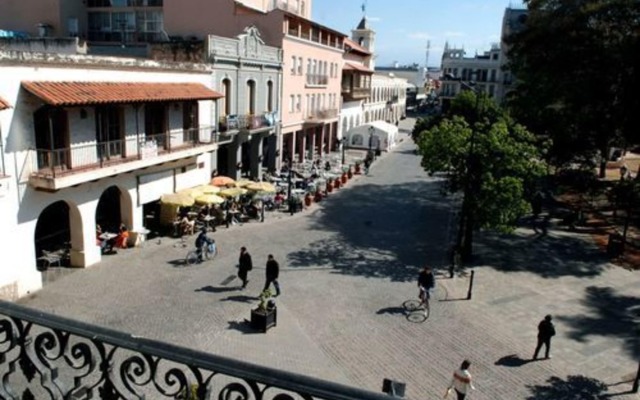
[548, 256]
[391, 310]
[179, 263]
[241, 298]
[376, 234]
[213, 289]
[512, 360]
[574, 387]
[242, 326]
[610, 314]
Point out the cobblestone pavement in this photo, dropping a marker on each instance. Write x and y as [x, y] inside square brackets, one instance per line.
[348, 264]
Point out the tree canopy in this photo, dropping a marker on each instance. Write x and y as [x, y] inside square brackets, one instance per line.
[484, 154]
[576, 68]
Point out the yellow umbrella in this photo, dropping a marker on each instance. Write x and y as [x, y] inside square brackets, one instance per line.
[177, 199]
[208, 189]
[222, 181]
[243, 183]
[233, 192]
[209, 199]
[261, 187]
[192, 192]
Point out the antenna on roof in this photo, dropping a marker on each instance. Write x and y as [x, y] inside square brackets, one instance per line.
[426, 60]
[364, 8]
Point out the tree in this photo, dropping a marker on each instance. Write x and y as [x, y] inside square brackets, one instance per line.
[495, 164]
[576, 66]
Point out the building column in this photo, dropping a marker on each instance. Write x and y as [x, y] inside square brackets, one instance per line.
[273, 161]
[235, 157]
[82, 223]
[313, 144]
[302, 145]
[323, 145]
[255, 156]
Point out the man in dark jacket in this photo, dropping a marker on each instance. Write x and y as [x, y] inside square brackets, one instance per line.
[545, 331]
[244, 266]
[273, 270]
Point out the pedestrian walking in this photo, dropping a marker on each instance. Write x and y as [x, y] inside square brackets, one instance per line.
[461, 381]
[244, 266]
[273, 270]
[546, 331]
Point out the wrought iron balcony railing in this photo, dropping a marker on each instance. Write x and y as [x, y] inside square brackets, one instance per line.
[44, 356]
[246, 121]
[322, 114]
[78, 158]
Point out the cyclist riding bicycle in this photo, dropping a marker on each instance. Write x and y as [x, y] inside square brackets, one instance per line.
[426, 283]
[203, 240]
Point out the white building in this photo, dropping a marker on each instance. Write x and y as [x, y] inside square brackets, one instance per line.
[368, 96]
[86, 141]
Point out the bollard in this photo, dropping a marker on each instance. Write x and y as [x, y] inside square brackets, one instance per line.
[636, 382]
[470, 285]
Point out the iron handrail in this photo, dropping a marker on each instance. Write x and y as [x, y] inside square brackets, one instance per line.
[305, 386]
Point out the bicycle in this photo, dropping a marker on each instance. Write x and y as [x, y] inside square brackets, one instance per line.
[209, 251]
[417, 313]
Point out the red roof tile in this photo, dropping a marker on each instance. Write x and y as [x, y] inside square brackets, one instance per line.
[356, 47]
[4, 104]
[356, 67]
[80, 93]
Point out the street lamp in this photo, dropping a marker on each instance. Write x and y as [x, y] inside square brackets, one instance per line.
[372, 130]
[344, 146]
[289, 200]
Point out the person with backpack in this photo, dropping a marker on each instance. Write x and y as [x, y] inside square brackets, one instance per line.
[244, 266]
[546, 331]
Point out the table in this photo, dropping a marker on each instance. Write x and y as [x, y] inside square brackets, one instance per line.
[107, 236]
[207, 221]
[142, 236]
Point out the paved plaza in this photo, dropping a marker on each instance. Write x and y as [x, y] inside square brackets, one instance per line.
[347, 266]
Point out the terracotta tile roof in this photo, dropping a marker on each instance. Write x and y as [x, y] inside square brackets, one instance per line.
[77, 93]
[4, 104]
[356, 67]
[356, 47]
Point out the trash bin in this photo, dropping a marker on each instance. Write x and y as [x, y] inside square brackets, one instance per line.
[615, 245]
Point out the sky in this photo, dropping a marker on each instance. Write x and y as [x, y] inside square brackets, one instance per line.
[403, 27]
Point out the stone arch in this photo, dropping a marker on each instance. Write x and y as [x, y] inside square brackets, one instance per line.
[114, 207]
[59, 227]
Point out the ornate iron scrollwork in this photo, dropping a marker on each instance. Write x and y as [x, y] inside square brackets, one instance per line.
[44, 356]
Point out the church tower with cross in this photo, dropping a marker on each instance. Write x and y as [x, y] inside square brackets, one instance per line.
[365, 36]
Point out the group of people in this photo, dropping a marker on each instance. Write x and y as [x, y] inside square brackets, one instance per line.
[189, 220]
[108, 244]
[461, 381]
[245, 264]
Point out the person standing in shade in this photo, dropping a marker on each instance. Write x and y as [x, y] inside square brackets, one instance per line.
[244, 266]
[461, 381]
[273, 270]
[546, 331]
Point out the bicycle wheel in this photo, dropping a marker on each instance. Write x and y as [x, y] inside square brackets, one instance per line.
[191, 258]
[418, 316]
[411, 305]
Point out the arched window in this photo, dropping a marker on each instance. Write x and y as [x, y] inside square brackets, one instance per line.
[251, 93]
[226, 88]
[270, 96]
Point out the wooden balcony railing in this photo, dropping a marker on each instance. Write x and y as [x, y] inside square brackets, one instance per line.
[79, 158]
[317, 79]
[229, 123]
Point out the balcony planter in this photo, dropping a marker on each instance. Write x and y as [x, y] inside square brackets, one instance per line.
[357, 168]
[329, 186]
[318, 196]
[336, 183]
[344, 178]
[307, 199]
[350, 174]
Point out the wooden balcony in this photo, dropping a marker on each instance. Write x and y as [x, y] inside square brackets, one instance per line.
[79, 163]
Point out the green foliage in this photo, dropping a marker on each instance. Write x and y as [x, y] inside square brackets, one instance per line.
[264, 297]
[576, 65]
[497, 161]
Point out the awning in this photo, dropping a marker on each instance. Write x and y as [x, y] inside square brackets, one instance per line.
[85, 93]
[4, 104]
[357, 67]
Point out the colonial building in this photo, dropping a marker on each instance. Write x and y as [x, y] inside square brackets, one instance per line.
[86, 141]
[249, 74]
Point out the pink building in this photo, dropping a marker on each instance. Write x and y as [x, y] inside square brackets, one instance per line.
[313, 54]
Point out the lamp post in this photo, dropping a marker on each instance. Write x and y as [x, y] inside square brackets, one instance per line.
[289, 199]
[344, 146]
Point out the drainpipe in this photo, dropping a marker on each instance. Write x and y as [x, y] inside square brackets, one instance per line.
[136, 106]
[53, 169]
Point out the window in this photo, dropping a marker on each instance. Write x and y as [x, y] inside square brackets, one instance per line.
[294, 67]
[226, 89]
[299, 103]
[291, 103]
[251, 96]
[300, 65]
[309, 66]
[270, 96]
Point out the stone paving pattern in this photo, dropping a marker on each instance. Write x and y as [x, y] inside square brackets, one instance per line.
[348, 264]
